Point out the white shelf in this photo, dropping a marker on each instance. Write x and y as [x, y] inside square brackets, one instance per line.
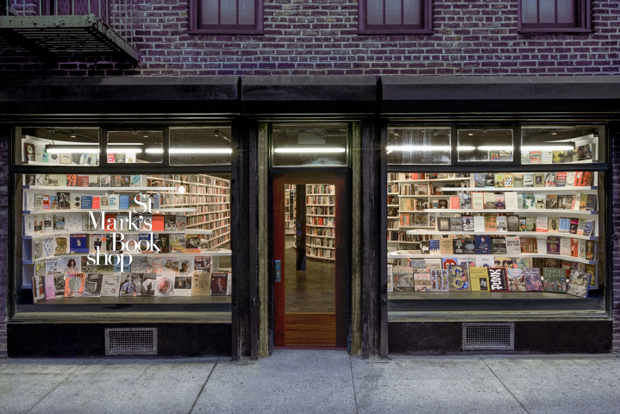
[320, 247]
[499, 233]
[320, 215]
[402, 255]
[551, 190]
[317, 257]
[53, 187]
[88, 210]
[533, 210]
[324, 237]
[65, 233]
[432, 180]
[221, 252]
[320, 225]
[321, 205]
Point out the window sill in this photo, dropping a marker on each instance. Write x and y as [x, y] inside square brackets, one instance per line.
[547, 31]
[122, 317]
[497, 316]
[411, 32]
[227, 32]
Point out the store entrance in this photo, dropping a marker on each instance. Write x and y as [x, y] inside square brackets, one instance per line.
[310, 260]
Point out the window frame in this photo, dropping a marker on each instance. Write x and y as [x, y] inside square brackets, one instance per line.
[582, 25]
[195, 27]
[426, 27]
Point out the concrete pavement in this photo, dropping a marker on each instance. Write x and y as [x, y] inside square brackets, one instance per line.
[304, 381]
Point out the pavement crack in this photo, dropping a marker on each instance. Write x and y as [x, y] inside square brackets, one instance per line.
[357, 410]
[52, 390]
[203, 387]
[504, 385]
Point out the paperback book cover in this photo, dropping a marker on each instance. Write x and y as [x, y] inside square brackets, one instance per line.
[578, 284]
[164, 284]
[553, 245]
[201, 284]
[50, 286]
[484, 261]
[458, 278]
[542, 224]
[468, 223]
[448, 261]
[483, 244]
[513, 245]
[489, 201]
[565, 201]
[93, 284]
[498, 245]
[458, 246]
[539, 179]
[219, 283]
[552, 201]
[445, 246]
[479, 278]
[529, 201]
[554, 279]
[518, 180]
[480, 180]
[38, 288]
[465, 201]
[79, 243]
[565, 246]
[421, 280]
[502, 223]
[439, 280]
[74, 285]
[500, 201]
[183, 285]
[497, 279]
[512, 223]
[477, 200]
[177, 243]
[516, 281]
[110, 284]
[532, 279]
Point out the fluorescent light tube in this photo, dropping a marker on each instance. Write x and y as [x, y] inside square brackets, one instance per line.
[200, 150]
[547, 148]
[418, 148]
[496, 147]
[309, 150]
[72, 149]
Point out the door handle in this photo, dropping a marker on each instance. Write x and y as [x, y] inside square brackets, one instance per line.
[278, 270]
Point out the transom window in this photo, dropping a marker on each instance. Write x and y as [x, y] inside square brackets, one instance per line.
[395, 16]
[554, 15]
[226, 16]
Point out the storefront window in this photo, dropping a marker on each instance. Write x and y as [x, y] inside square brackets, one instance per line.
[310, 145]
[200, 146]
[418, 145]
[57, 146]
[128, 147]
[485, 144]
[499, 236]
[561, 145]
[125, 237]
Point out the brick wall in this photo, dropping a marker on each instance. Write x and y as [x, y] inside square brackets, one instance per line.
[473, 37]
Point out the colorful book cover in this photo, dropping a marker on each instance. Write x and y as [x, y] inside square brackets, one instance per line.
[448, 261]
[458, 278]
[497, 279]
[124, 202]
[516, 281]
[513, 245]
[483, 244]
[439, 280]
[554, 279]
[183, 285]
[50, 287]
[578, 284]
[553, 245]
[78, 243]
[74, 285]
[421, 280]
[177, 243]
[219, 283]
[479, 279]
[111, 284]
[92, 284]
[38, 289]
[532, 279]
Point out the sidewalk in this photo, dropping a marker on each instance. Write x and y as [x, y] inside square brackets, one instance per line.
[314, 382]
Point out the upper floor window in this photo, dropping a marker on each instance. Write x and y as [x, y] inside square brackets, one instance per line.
[226, 16]
[548, 16]
[395, 16]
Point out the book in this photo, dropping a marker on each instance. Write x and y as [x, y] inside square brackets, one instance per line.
[511, 201]
[479, 279]
[448, 261]
[560, 179]
[500, 201]
[497, 279]
[164, 284]
[445, 246]
[498, 245]
[528, 180]
[539, 179]
[565, 201]
[518, 180]
[38, 289]
[490, 180]
[553, 280]
[550, 179]
[542, 223]
[442, 222]
[530, 224]
[480, 180]
[587, 228]
[565, 246]
[499, 180]
[439, 280]
[74, 285]
[78, 243]
[570, 179]
[540, 201]
[219, 283]
[489, 201]
[513, 245]
[508, 180]
[553, 245]
[502, 224]
[532, 279]
[50, 286]
[93, 283]
[564, 225]
[574, 247]
[455, 203]
[183, 285]
[578, 283]
[456, 224]
[590, 204]
[467, 223]
[574, 223]
[483, 244]
[512, 223]
[465, 201]
[490, 223]
[458, 278]
[529, 201]
[529, 245]
[479, 224]
[458, 246]
[477, 200]
[516, 281]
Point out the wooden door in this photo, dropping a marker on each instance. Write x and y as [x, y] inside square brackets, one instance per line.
[311, 310]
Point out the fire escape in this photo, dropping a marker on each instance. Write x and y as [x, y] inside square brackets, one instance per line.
[50, 28]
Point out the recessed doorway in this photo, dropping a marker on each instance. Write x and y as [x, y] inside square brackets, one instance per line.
[310, 242]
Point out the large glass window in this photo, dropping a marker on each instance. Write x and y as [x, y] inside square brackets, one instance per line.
[316, 145]
[57, 146]
[125, 236]
[548, 16]
[418, 145]
[513, 237]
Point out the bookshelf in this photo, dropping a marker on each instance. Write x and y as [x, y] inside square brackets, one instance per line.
[290, 208]
[553, 218]
[210, 198]
[320, 221]
[189, 226]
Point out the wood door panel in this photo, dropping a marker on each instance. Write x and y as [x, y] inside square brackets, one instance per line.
[310, 329]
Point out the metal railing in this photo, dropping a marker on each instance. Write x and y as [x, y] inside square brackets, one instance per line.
[117, 14]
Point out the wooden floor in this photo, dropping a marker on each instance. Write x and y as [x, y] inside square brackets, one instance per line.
[312, 290]
[310, 329]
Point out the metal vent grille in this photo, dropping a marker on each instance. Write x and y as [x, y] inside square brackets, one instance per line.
[131, 341]
[488, 336]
